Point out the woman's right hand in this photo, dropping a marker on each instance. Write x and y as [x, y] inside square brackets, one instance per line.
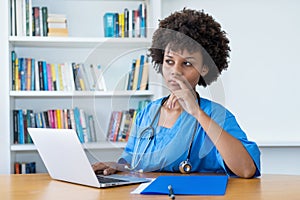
[106, 168]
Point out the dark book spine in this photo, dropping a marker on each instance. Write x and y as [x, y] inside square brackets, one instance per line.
[45, 24]
[47, 122]
[41, 78]
[126, 22]
[36, 16]
[13, 70]
[15, 126]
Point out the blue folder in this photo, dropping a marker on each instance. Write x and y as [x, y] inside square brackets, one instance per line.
[188, 185]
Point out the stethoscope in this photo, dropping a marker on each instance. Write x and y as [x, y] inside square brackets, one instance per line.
[184, 167]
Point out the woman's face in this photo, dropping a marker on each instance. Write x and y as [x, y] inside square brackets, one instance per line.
[184, 66]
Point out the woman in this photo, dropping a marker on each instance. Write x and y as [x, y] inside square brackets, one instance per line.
[184, 132]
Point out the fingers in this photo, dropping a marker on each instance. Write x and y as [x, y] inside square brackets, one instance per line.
[99, 166]
[104, 168]
[109, 171]
[182, 82]
[171, 101]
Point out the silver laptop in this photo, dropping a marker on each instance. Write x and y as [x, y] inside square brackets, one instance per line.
[65, 159]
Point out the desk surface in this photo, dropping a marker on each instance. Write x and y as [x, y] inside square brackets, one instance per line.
[41, 186]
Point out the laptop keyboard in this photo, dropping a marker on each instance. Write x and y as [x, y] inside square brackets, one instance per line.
[109, 180]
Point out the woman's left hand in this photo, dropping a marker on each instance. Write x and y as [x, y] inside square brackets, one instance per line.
[186, 96]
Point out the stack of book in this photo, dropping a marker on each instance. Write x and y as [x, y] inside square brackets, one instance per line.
[75, 118]
[28, 20]
[129, 23]
[57, 25]
[33, 74]
[138, 76]
[25, 167]
[121, 122]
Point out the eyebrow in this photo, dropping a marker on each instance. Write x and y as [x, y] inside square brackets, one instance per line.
[186, 58]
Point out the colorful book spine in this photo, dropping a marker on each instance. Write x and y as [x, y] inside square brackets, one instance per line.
[45, 75]
[21, 127]
[78, 125]
[109, 24]
[33, 85]
[140, 75]
[13, 67]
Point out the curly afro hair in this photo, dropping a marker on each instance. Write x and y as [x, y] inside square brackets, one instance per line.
[194, 31]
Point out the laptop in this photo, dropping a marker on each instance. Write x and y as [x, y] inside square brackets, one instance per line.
[65, 159]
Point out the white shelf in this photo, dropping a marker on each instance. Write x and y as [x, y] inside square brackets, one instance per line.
[80, 93]
[80, 42]
[85, 37]
[94, 145]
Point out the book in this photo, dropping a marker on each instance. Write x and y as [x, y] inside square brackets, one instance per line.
[79, 129]
[126, 22]
[49, 76]
[82, 118]
[125, 126]
[33, 68]
[28, 74]
[109, 24]
[56, 18]
[75, 70]
[15, 126]
[45, 75]
[57, 25]
[67, 77]
[116, 28]
[13, 67]
[99, 78]
[145, 76]
[13, 18]
[58, 32]
[21, 139]
[92, 128]
[17, 77]
[131, 75]
[121, 25]
[36, 21]
[24, 167]
[114, 125]
[137, 24]
[19, 18]
[41, 23]
[44, 20]
[22, 69]
[140, 74]
[142, 14]
[36, 76]
[28, 17]
[136, 74]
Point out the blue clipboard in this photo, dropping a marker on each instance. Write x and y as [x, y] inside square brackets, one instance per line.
[188, 185]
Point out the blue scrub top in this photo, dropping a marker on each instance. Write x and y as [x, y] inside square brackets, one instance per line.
[169, 146]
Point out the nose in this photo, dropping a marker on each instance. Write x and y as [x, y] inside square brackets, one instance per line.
[176, 70]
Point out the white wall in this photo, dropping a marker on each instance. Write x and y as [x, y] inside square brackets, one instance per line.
[261, 85]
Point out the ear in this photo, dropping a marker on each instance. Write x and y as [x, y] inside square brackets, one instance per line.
[204, 70]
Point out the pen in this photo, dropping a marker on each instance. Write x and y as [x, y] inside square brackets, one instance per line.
[171, 192]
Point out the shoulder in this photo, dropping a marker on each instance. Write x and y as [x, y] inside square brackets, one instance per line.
[213, 108]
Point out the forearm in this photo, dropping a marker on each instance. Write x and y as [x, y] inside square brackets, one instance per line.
[231, 149]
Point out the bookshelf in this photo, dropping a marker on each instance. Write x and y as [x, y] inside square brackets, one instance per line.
[85, 43]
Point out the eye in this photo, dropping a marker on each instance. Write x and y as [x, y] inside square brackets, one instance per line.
[188, 64]
[169, 61]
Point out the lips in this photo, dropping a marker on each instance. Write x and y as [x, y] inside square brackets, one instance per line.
[173, 83]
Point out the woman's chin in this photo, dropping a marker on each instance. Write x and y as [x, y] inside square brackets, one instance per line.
[174, 87]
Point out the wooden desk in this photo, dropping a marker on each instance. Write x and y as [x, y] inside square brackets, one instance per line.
[41, 186]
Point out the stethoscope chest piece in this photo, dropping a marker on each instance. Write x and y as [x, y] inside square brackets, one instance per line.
[185, 167]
